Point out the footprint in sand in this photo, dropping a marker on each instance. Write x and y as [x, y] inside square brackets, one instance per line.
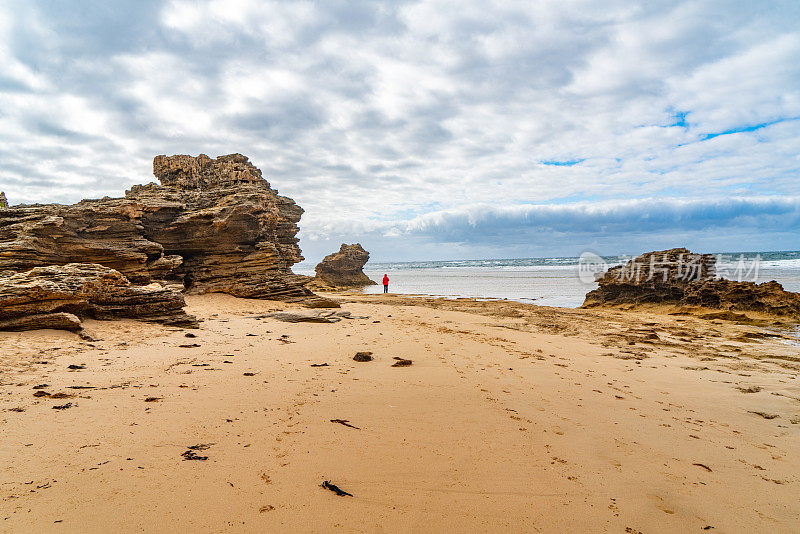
[659, 503]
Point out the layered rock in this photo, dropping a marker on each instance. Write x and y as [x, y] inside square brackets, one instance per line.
[56, 296]
[215, 225]
[769, 297]
[51, 321]
[203, 173]
[682, 278]
[660, 276]
[344, 268]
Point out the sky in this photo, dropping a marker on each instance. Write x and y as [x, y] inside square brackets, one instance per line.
[427, 130]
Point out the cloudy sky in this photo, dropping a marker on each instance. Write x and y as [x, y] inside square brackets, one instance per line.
[431, 129]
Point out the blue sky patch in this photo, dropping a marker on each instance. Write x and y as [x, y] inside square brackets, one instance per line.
[566, 163]
[680, 119]
[743, 129]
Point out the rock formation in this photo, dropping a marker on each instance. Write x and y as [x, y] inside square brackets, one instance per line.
[58, 295]
[214, 225]
[679, 277]
[52, 321]
[344, 268]
[769, 297]
[329, 316]
[660, 276]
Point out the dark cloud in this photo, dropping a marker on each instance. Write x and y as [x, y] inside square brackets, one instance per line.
[519, 223]
[610, 228]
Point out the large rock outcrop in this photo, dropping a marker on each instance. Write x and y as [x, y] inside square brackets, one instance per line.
[681, 278]
[57, 296]
[344, 268]
[214, 225]
[660, 276]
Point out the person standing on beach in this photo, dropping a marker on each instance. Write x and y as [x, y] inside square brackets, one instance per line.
[385, 283]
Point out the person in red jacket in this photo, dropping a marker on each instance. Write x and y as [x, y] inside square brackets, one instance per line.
[385, 283]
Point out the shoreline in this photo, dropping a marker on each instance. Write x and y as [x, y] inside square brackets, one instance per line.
[548, 285]
[513, 417]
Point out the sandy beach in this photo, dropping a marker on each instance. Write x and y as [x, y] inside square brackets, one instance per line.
[512, 418]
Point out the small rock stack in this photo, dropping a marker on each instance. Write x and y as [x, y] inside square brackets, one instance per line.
[344, 268]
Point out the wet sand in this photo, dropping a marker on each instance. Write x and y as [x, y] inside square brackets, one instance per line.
[512, 418]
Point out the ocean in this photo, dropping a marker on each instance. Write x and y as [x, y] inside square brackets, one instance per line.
[554, 281]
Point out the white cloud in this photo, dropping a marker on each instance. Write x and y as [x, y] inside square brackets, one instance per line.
[381, 118]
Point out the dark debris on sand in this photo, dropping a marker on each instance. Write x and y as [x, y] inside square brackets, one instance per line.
[334, 488]
[765, 415]
[344, 422]
[191, 454]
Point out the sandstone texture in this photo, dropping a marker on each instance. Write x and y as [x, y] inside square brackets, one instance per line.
[681, 278]
[54, 321]
[344, 268]
[311, 317]
[213, 225]
[57, 296]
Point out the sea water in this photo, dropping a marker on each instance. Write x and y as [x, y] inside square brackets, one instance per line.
[548, 281]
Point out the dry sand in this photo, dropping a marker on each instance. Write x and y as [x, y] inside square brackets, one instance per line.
[512, 418]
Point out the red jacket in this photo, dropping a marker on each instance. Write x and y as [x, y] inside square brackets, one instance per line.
[386, 279]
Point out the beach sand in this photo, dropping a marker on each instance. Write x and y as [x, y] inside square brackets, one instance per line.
[512, 418]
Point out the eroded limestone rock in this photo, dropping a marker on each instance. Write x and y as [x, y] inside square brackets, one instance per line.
[344, 268]
[310, 317]
[214, 225]
[54, 321]
[681, 278]
[50, 297]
